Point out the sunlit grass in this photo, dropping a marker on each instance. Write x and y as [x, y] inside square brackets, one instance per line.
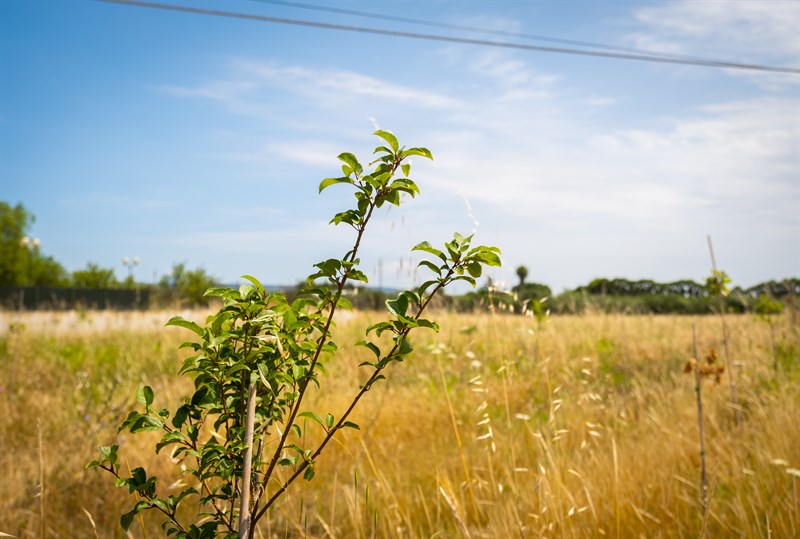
[584, 428]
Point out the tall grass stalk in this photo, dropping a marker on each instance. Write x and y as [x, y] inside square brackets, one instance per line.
[726, 347]
[618, 527]
[698, 389]
[91, 522]
[468, 486]
[41, 477]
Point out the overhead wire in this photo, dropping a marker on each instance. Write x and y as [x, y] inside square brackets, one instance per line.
[455, 39]
[480, 30]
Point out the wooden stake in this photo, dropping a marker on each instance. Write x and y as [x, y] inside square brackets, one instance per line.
[244, 509]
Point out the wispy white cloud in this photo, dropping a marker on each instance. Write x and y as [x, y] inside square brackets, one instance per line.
[729, 169]
[723, 149]
[338, 83]
[515, 142]
[600, 100]
[225, 91]
[310, 153]
[737, 30]
[490, 21]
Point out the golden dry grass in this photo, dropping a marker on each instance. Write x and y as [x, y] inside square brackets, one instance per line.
[585, 428]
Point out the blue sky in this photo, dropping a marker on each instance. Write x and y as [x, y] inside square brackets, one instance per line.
[179, 137]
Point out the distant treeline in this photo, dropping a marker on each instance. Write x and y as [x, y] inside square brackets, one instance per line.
[605, 295]
[627, 296]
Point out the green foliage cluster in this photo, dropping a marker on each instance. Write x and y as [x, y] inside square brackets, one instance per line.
[242, 433]
[23, 264]
[624, 287]
[185, 287]
[94, 276]
[21, 261]
[678, 297]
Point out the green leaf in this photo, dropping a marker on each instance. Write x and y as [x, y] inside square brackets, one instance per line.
[200, 396]
[351, 217]
[405, 347]
[146, 423]
[127, 519]
[389, 138]
[308, 475]
[255, 282]
[181, 322]
[245, 290]
[406, 186]
[351, 425]
[262, 374]
[397, 306]
[488, 257]
[466, 278]
[161, 504]
[427, 284]
[406, 168]
[428, 248]
[379, 328]
[351, 161]
[357, 275]
[371, 381]
[383, 149]
[328, 268]
[329, 419]
[423, 152]
[288, 461]
[345, 303]
[236, 368]
[411, 296]
[371, 346]
[109, 453]
[431, 266]
[474, 269]
[327, 182]
[172, 437]
[423, 323]
[145, 395]
[312, 416]
[226, 293]
[181, 414]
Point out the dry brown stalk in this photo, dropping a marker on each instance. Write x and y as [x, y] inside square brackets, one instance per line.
[731, 373]
[698, 375]
[41, 479]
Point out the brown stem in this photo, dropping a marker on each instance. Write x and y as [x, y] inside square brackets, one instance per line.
[340, 424]
[304, 384]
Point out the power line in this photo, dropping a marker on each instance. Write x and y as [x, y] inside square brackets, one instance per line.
[452, 39]
[488, 31]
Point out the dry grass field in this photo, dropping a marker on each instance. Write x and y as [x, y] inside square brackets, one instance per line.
[493, 428]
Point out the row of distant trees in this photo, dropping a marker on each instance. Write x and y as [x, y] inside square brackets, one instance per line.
[23, 264]
[631, 296]
[605, 295]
